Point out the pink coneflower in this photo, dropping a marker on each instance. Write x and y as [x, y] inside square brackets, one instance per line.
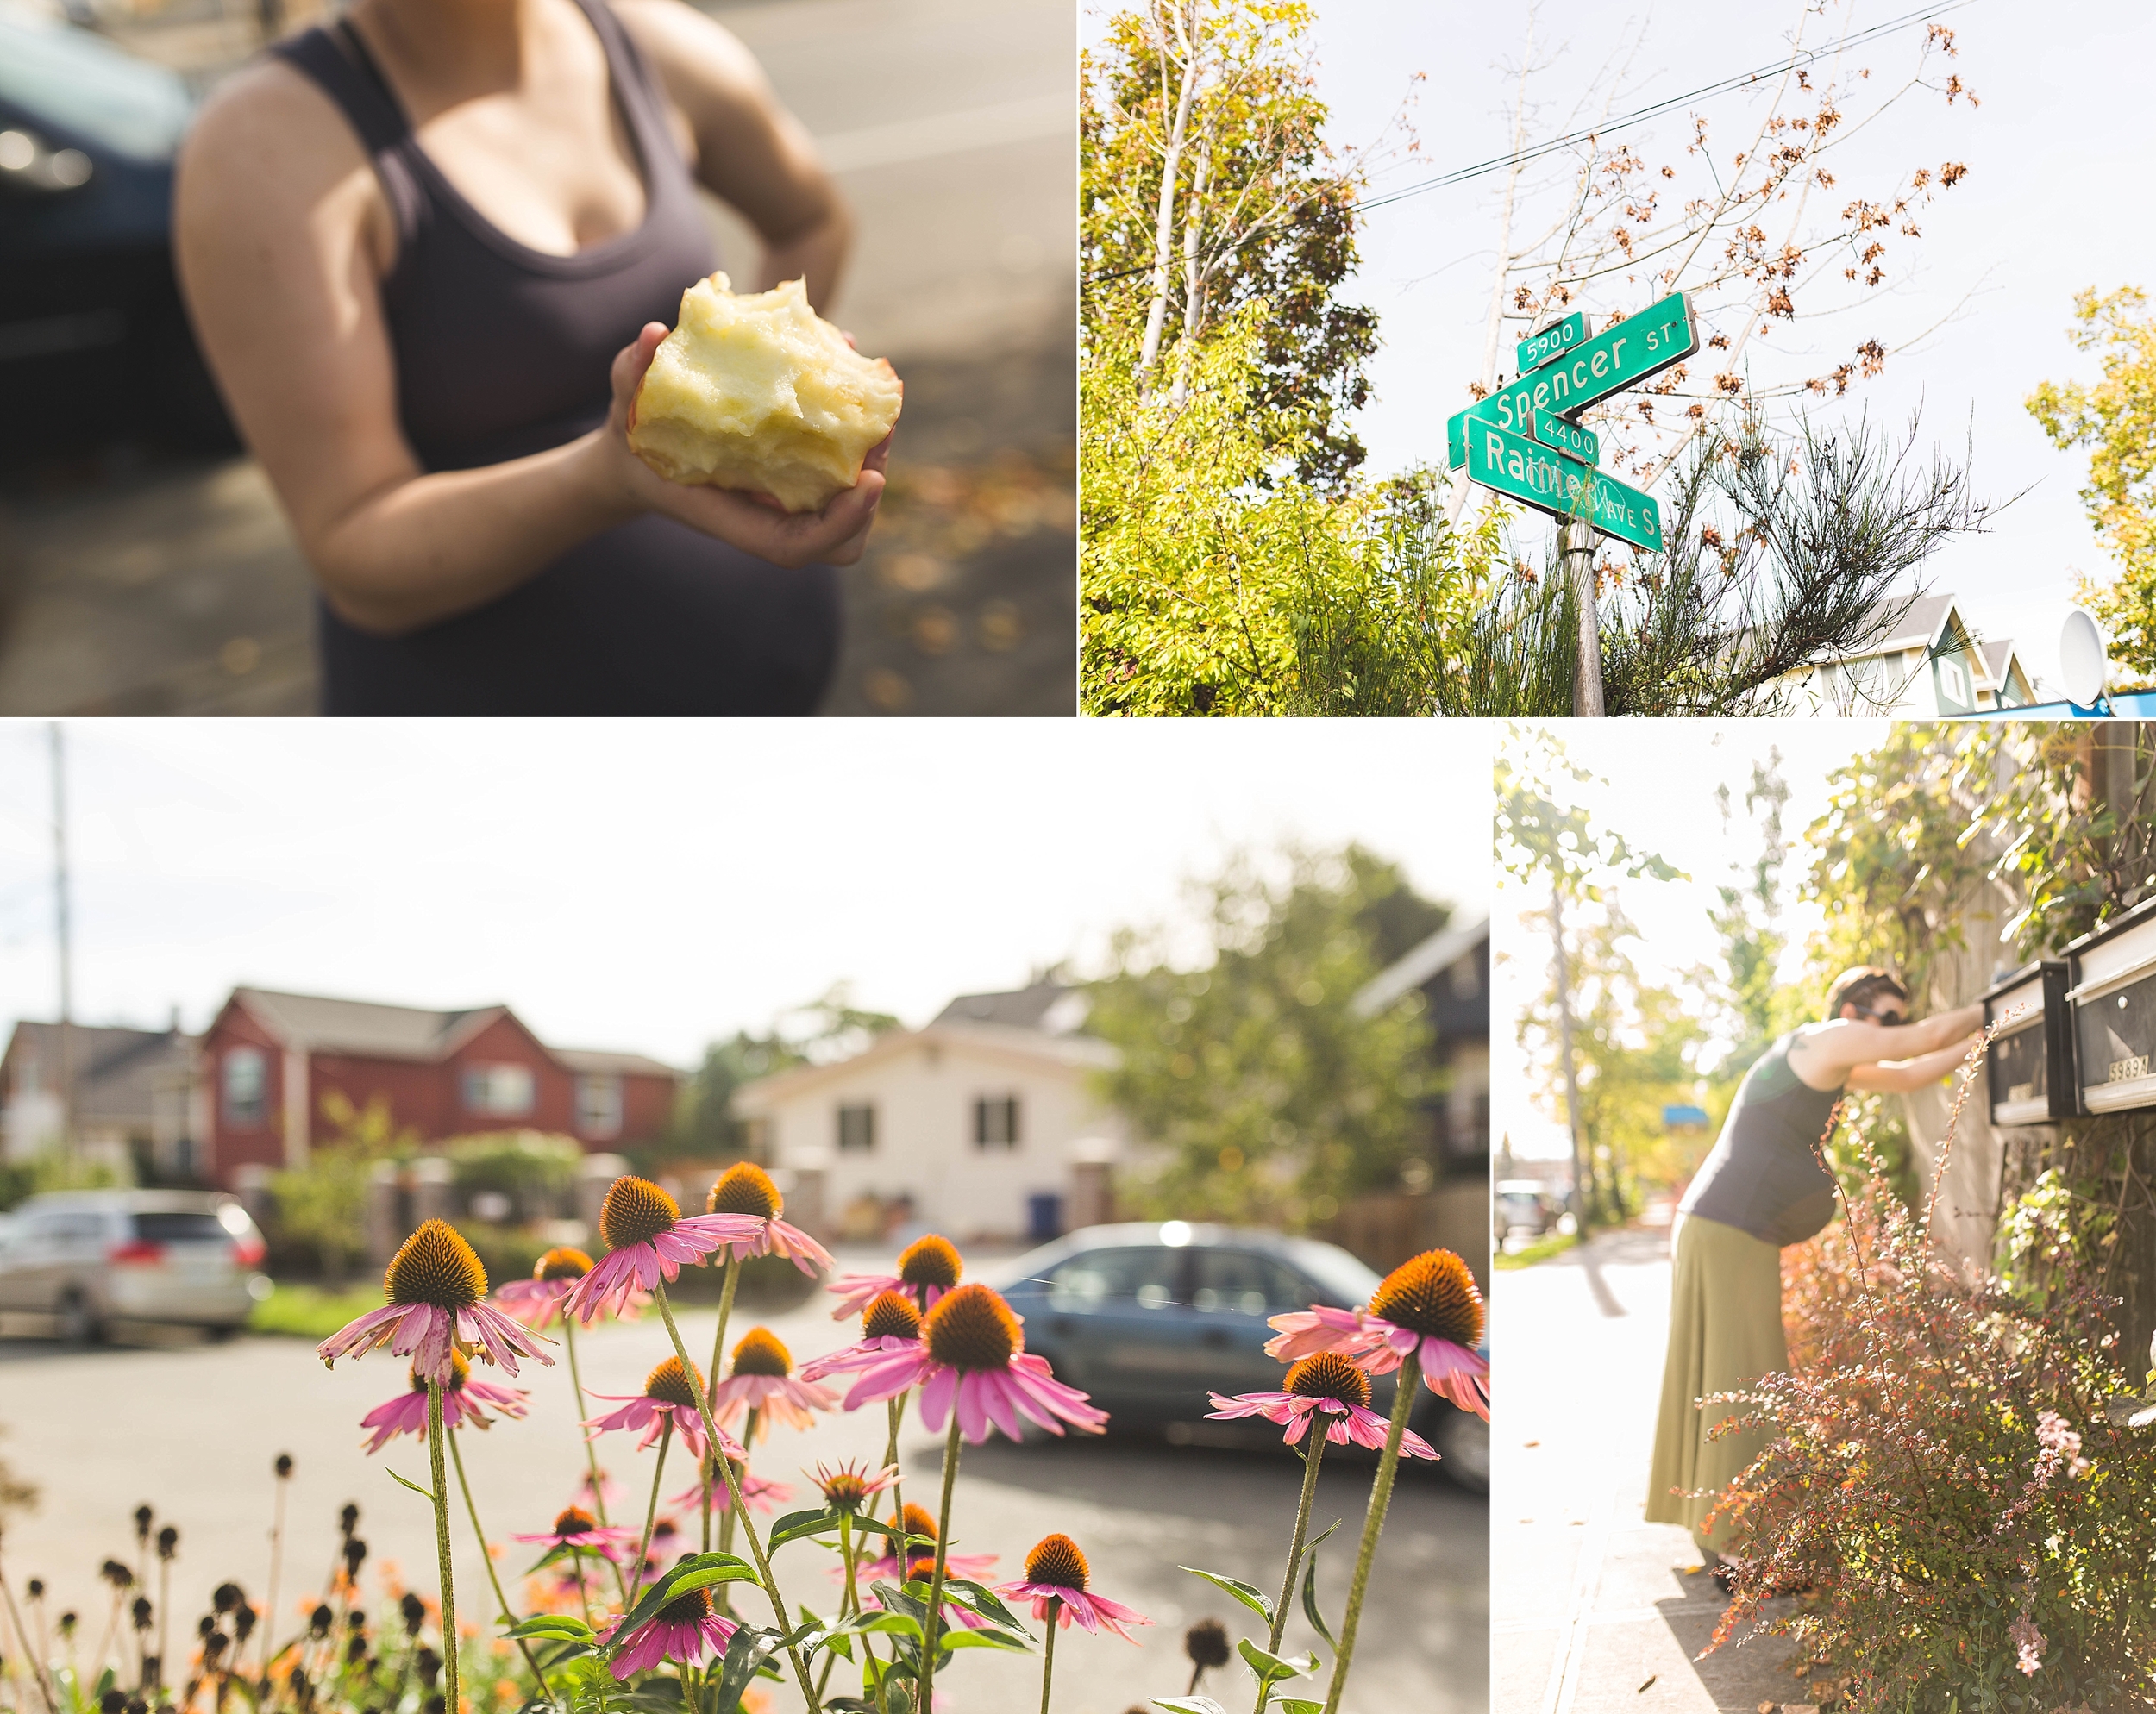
[464, 1401]
[671, 1394]
[1427, 1307]
[1325, 1386]
[746, 1188]
[434, 1284]
[892, 1323]
[577, 1528]
[536, 1302]
[758, 1493]
[851, 1486]
[928, 1267]
[648, 1239]
[685, 1629]
[1056, 1571]
[971, 1355]
[763, 1381]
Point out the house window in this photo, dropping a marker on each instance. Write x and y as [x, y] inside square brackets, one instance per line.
[995, 1122]
[245, 1086]
[858, 1129]
[504, 1092]
[598, 1105]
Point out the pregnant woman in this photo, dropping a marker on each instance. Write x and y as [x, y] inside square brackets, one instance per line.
[1764, 1185]
[430, 252]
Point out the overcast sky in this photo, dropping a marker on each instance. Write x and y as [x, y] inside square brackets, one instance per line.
[652, 886]
[2049, 206]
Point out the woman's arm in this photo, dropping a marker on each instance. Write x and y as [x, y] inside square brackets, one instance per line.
[280, 236]
[749, 150]
[1901, 1076]
[1821, 1054]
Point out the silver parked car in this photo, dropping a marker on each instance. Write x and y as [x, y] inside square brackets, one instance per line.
[88, 1258]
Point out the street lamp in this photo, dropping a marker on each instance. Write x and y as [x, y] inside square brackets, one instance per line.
[2030, 1071]
[2114, 1002]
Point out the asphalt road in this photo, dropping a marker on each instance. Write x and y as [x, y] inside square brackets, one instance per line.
[143, 583]
[193, 1429]
[1594, 1609]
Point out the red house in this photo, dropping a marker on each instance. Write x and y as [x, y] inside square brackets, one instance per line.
[269, 1060]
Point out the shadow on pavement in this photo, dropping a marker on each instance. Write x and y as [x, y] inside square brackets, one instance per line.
[1751, 1667]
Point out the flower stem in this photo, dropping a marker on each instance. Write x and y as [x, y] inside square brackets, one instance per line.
[651, 1513]
[492, 1576]
[932, 1626]
[891, 1462]
[436, 1436]
[1373, 1522]
[740, 1506]
[591, 1459]
[719, 1338]
[1048, 1659]
[1314, 1450]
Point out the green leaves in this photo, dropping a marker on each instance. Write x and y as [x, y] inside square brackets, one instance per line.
[1255, 1598]
[1270, 1668]
[426, 1494]
[1188, 1705]
[978, 1598]
[699, 1571]
[798, 1526]
[1310, 1587]
[746, 1650]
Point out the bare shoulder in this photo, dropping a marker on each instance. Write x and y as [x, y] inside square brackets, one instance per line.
[272, 129]
[695, 54]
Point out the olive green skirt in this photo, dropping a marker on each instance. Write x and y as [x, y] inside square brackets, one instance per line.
[1725, 1332]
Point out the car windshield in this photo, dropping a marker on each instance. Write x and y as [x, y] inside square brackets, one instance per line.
[91, 88]
[1246, 1284]
[163, 1227]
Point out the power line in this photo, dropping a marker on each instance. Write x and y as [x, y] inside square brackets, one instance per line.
[1461, 175]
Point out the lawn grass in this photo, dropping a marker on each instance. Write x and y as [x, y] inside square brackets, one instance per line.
[1549, 1244]
[310, 1312]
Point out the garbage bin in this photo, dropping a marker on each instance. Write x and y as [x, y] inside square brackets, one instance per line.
[1044, 1216]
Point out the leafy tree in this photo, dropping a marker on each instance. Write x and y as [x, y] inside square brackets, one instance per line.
[1754, 1004]
[1205, 186]
[704, 1127]
[2116, 418]
[324, 1203]
[1270, 1098]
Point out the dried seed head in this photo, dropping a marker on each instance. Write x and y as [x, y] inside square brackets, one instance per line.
[930, 1262]
[759, 1353]
[1432, 1294]
[673, 1383]
[972, 1328]
[283, 1466]
[890, 1316]
[1330, 1375]
[745, 1188]
[435, 1266]
[1207, 1644]
[1055, 1559]
[562, 1263]
[635, 1212]
[685, 1609]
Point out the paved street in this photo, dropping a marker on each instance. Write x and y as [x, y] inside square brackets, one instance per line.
[193, 1429]
[1592, 1608]
[145, 583]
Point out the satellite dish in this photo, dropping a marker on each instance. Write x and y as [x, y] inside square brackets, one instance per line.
[2082, 666]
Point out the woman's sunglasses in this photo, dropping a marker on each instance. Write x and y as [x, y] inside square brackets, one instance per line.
[1882, 1016]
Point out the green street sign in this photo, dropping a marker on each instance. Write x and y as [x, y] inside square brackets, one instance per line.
[1567, 437]
[1619, 357]
[1538, 349]
[1562, 486]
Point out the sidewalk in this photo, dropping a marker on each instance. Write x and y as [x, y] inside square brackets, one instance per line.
[1593, 1609]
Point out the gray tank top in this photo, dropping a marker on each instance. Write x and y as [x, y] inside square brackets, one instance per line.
[1764, 1175]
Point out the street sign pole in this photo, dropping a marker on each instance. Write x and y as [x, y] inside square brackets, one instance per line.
[1587, 677]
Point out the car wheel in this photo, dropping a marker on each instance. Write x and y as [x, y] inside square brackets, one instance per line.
[1462, 1443]
[76, 1322]
[224, 1334]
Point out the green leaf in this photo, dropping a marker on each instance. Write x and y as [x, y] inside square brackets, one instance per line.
[984, 1601]
[552, 1625]
[990, 1638]
[663, 1591]
[746, 1650]
[426, 1494]
[1310, 1593]
[797, 1525]
[1188, 1705]
[1251, 1597]
[565, 1550]
[1269, 1667]
[682, 1582]
[1295, 1704]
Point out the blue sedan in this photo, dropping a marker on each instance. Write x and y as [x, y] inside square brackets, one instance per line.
[1150, 1319]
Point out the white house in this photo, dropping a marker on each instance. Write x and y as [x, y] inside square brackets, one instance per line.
[979, 1125]
[1930, 665]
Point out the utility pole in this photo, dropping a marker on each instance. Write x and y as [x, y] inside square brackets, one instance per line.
[1586, 678]
[1564, 1052]
[67, 986]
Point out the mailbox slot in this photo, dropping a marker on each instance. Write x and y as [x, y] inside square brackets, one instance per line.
[2029, 1072]
[2114, 1002]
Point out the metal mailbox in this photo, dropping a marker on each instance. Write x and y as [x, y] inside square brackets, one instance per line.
[2114, 1003]
[2029, 1071]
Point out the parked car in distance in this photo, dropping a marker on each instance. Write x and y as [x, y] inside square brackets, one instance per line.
[1528, 1206]
[1150, 1319]
[85, 1259]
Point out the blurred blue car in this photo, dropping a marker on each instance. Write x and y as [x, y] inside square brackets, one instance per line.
[1150, 1319]
[94, 344]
